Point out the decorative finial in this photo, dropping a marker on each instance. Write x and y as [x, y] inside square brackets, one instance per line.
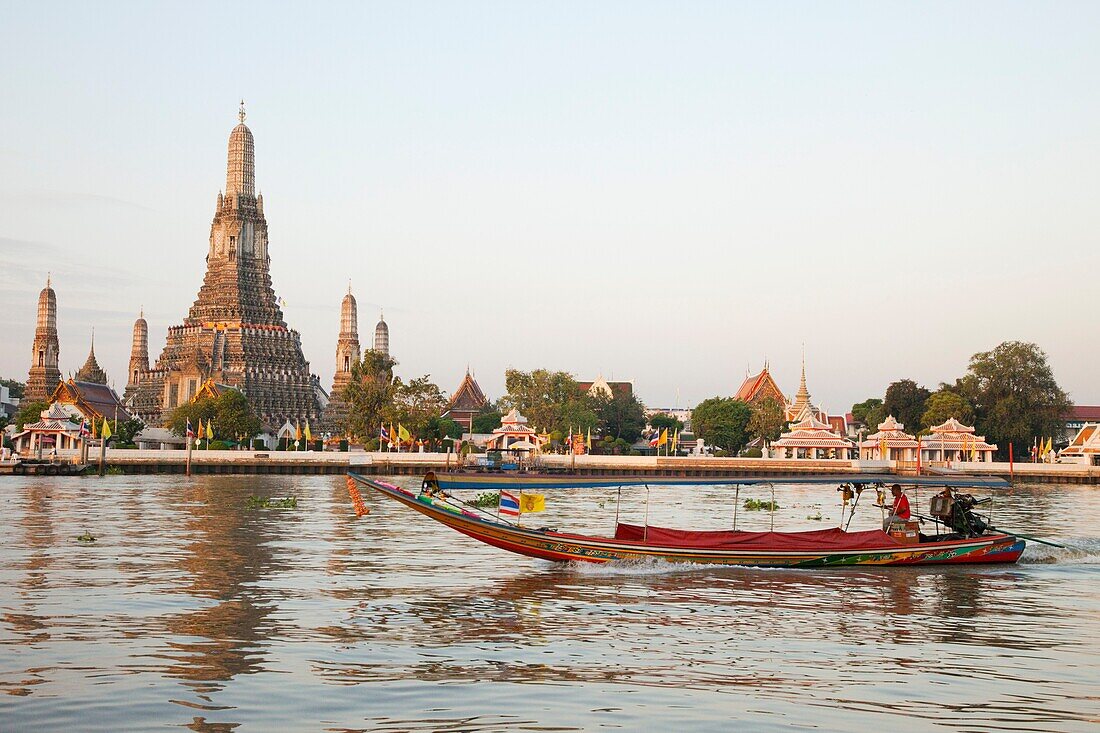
[349, 286]
[141, 313]
[241, 113]
[48, 280]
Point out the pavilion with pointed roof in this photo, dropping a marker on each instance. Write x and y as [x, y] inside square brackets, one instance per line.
[515, 434]
[55, 430]
[466, 402]
[812, 438]
[890, 443]
[951, 441]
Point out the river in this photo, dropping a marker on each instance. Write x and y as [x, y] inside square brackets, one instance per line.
[192, 610]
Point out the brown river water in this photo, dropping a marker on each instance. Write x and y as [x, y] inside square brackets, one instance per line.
[192, 611]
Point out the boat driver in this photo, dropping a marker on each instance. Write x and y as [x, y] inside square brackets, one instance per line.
[899, 512]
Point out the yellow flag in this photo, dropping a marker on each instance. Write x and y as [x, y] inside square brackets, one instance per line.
[309, 435]
[209, 429]
[106, 432]
[202, 432]
[587, 442]
[675, 440]
[663, 438]
[402, 434]
[532, 503]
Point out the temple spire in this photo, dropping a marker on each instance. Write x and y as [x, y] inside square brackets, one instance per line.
[803, 396]
[240, 177]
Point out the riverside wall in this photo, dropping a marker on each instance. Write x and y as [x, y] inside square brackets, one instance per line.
[389, 464]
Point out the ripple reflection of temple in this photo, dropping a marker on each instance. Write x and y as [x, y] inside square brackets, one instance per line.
[225, 562]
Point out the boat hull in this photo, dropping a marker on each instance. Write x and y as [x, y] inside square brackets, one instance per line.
[565, 547]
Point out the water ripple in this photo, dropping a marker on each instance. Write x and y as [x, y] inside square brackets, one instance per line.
[192, 610]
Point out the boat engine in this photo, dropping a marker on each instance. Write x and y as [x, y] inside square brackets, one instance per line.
[957, 512]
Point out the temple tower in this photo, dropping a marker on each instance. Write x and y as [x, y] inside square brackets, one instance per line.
[382, 336]
[139, 355]
[347, 345]
[44, 374]
[234, 332]
[347, 353]
[91, 371]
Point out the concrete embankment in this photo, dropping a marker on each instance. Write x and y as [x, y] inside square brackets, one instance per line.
[307, 462]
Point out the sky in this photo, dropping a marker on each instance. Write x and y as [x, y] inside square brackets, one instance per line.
[669, 193]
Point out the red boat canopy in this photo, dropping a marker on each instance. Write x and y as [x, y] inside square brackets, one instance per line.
[813, 540]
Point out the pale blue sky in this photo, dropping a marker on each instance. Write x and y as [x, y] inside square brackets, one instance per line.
[659, 192]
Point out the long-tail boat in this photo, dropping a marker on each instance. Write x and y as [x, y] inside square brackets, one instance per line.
[809, 549]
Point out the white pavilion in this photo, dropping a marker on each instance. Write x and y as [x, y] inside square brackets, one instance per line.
[514, 434]
[952, 441]
[890, 443]
[812, 438]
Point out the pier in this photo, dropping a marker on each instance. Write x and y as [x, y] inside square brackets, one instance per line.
[413, 464]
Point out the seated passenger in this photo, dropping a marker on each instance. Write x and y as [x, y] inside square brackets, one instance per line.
[899, 512]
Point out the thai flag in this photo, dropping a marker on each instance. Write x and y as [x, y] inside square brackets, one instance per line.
[190, 430]
[509, 504]
[84, 432]
[383, 434]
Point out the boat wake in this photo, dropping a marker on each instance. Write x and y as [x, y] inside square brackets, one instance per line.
[1078, 551]
[652, 566]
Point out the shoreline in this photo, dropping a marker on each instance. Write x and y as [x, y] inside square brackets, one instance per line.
[407, 464]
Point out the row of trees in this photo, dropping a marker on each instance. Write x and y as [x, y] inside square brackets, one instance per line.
[728, 423]
[1009, 394]
[555, 403]
[374, 397]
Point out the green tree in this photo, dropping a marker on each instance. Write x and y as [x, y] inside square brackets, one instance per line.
[438, 428]
[368, 394]
[230, 413]
[905, 401]
[722, 422]
[861, 411]
[1014, 395]
[621, 416]
[486, 421]
[125, 431]
[415, 404]
[768, 416]
[663, 421]
[943, 405]
[29, 413]
[549, 400]
[15, 389]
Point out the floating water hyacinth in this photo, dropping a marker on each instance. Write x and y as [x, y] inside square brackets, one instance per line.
[255, 502]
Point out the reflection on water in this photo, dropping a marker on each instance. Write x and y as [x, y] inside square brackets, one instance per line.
[192, 610]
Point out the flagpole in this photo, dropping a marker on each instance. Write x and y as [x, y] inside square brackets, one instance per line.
[102, 452]
[190, 442]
